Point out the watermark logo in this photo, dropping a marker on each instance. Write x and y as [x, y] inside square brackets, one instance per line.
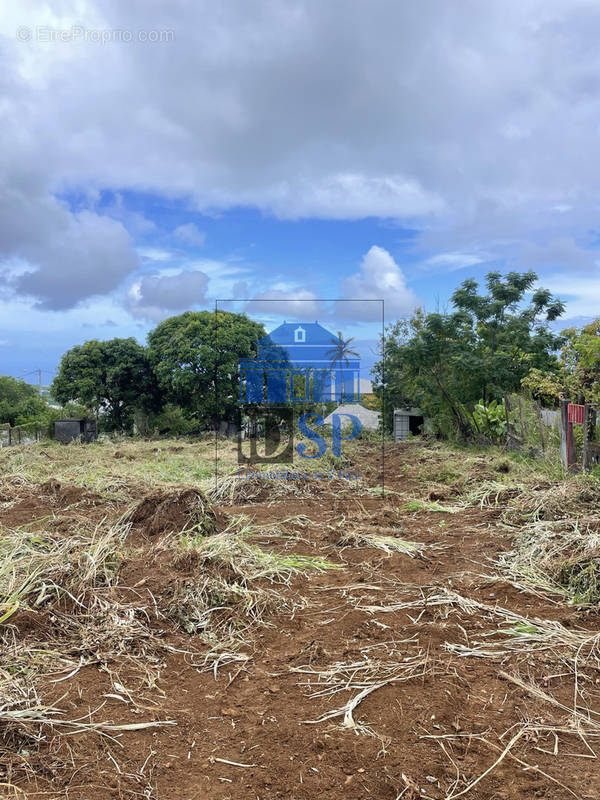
[266, 436]
[299, 368]
[79, 33]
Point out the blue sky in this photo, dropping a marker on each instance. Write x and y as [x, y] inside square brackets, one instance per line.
[288, 149]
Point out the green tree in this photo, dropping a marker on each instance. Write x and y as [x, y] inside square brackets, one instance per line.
[112, 379]
[578, 379]
[20, 402]
[448, 363]
[580, 360]
[510, 337]
[195, 358]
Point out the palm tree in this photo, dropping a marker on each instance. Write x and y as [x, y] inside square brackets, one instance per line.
[340, 354]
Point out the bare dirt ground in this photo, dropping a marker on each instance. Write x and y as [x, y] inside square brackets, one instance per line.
[463, 684]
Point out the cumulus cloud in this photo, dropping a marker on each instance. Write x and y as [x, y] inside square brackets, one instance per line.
[82, 255]
[379, 278]
[156, 296]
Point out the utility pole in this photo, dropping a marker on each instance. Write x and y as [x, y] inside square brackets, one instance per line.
[37, 371]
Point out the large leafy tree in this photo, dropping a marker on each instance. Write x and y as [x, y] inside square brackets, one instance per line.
[195, 359]
[510, 336]
[111, 378]
[579, 376]
[580, 358]
[20, 402]
[448, 363]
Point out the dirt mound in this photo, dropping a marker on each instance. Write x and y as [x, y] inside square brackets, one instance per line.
[169, 512]
[65, 495]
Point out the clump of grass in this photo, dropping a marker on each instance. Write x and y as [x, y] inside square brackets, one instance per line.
[205, 607]
[581, 579]
[232, 548]
[492, 494]
[275, 482]
[559, 556]
[445, 475]
[238, 489]
[389, 544]
[229, 598]
[40, 568]
[568, 499]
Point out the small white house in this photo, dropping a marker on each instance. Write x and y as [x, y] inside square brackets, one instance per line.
[368, 418]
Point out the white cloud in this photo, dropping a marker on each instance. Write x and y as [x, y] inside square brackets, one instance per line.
[450, 262]
[154, 254]
[379, 278]
[339, 196]
[581, 294]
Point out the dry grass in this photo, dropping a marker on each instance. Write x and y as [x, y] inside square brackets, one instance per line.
[378, 666]
[38, 569]
[233, 588]
[388, 543]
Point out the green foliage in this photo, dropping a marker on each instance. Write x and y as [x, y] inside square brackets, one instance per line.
[580, 358]
[444, 363]
[545, 387]
[195, 359]
[578, 377]
[112, 378]
[20, 402]
[173, 419]
[491, 419]
[581, 577]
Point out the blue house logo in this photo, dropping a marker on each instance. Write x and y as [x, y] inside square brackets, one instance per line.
[300, 363]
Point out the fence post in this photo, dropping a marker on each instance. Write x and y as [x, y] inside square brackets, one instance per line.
[538, 408]
[507, 418]
[589, 429]
[564, 433]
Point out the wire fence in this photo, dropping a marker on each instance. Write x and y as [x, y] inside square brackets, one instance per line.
[530, 428]
[22, 434]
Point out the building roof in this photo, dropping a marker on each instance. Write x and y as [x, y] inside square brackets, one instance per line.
[369, 418]
[314, 334]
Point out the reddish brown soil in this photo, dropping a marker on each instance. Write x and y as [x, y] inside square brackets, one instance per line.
[255, 714]
[169, 512]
